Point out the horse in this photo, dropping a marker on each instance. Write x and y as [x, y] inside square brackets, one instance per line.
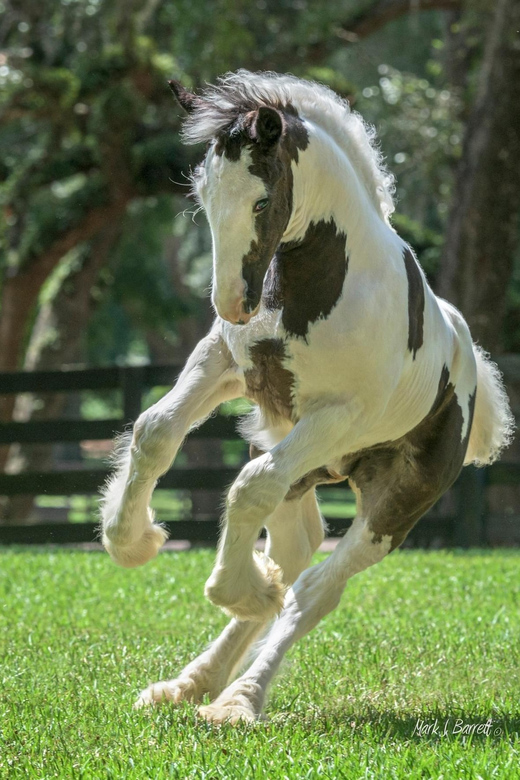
[356, 371]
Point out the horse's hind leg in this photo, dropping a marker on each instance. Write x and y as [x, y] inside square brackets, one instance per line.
[393, 490]
[395, 485]
[295, 532]
[315, 593]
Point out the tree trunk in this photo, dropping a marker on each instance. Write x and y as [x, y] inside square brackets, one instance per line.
[21, 288]
[67, 317]
[482, 232]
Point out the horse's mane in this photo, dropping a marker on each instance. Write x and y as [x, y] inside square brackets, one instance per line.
[237, 93]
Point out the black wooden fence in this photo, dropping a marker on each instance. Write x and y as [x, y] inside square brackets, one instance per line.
[464, 525]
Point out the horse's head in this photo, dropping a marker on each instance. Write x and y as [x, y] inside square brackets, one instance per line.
[245, 186]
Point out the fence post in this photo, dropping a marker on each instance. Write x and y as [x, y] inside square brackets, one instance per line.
[471, 500]
[132, 384]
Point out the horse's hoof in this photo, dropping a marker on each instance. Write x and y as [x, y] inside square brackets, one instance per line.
[240, 702]
[230, 713]
[169, 691]
[139, 552]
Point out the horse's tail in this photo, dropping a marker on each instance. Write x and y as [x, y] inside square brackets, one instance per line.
[493, 422]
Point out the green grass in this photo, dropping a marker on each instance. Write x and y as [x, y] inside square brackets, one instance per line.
[421, 636]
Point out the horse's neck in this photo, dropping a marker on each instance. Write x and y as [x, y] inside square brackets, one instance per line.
[333, 221]
[327, 187]
[327, 190]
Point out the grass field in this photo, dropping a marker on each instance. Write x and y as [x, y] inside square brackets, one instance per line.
[421, 637]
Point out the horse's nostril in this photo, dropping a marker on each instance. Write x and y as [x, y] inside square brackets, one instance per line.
[253, 276]
[250, 300]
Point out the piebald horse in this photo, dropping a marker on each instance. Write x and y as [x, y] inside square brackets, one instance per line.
[358, 371]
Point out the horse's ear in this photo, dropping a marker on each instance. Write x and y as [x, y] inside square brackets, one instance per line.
[186, 99]
[268, 125]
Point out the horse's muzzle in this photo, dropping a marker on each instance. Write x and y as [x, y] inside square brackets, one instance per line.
[238, 314]
[242, 301]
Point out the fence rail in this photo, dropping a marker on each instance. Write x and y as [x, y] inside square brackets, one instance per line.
[132, 382]
[41, 431]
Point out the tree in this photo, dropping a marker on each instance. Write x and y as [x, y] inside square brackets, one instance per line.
[88, 123]
[85, 136]
[482, 232]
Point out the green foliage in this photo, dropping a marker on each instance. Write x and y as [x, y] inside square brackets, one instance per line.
[152, 162]
[420, 130]
[426, 243]
[226, 34]
[54, 210]
[76, 105]
[86, 120]
[419, 636]
[90, 121]
[332, 78]
[136, 293]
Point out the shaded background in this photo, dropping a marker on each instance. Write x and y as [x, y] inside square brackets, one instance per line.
[101, 260]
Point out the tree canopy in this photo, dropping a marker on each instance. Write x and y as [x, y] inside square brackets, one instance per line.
[92, 163]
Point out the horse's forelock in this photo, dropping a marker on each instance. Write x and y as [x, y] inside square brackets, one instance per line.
[231, 101]
[235, 94]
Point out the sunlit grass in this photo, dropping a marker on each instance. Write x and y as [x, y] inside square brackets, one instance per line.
[423, 636]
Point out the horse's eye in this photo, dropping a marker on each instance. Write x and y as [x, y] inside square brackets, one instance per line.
[260, 205]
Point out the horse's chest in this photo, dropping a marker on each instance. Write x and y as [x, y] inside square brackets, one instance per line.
[280, 372]
[305, 279]
[268, 382]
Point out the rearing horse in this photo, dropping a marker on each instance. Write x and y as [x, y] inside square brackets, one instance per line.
[326, 321]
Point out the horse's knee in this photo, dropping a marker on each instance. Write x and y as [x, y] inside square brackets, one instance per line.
[149, 428]
[256, 492]
[154, 438]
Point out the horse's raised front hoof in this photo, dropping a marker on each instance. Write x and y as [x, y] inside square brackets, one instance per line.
[169, 691]
[240, 702]
[258, 595]
[138, 552]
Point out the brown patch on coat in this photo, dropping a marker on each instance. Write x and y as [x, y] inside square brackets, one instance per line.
[269, 383]
[306, 277]
[230, 145]
[415, 302]
[295, 138]
[399, 481]
[270, 226]
[321, 476]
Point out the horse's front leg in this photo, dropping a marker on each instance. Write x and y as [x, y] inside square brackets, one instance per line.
[129, 533]
[246, 585]
[295, 531]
